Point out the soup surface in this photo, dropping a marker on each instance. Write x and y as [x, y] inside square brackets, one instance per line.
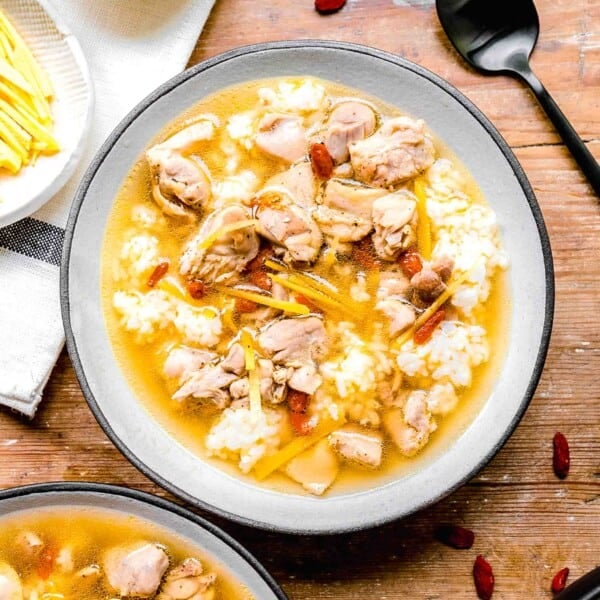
[91, 554]
[304, 285]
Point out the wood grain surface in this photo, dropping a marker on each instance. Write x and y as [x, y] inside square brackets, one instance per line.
[528, 523]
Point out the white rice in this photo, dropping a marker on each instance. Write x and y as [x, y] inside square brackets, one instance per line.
[245, 437]
[148, 314]
[198, 325]
[138, 258]
[450, 355]
[241, 128]
[144, 314]
[303, 98]
[467, 232]
[235, 189]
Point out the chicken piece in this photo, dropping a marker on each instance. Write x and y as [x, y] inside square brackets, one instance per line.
[181, 182]
[410, 426]
[290, 226]
[305, 379]
[282, 136]
[349, 122]
[30, 543]
[294, 341]
[135, 569]
[393, 284]
[398, 151]
[401, 314]
[298, 183]
[240, 388]
[235, 361]
[395, 220]
[358, 445]
[270, 390]
[427, 284]
[208, 386]
[10, 583]
[345, 213]
[182, 361]
[222, 260]
[315, 469]
[187, 582]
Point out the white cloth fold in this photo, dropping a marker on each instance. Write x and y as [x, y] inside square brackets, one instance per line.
[131, 47]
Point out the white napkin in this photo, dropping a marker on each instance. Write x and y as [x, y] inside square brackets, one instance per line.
[131, 47]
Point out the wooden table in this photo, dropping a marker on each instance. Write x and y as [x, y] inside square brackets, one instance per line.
[528, 523]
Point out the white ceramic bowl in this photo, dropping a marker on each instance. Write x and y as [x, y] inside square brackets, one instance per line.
[456, 121]
[208, 538]
[60, 55]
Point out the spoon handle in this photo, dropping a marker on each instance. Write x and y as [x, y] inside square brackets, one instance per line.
[584, 158]
[585, 588]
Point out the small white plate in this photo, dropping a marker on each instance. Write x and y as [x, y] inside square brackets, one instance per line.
[60, 55]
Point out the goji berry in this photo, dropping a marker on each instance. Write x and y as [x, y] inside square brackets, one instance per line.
[559, 581]
[561, 457]
[455, 536]
[321, 160]
[159, 272]
[483, 577]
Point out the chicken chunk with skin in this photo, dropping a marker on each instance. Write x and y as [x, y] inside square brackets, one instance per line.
[349, 122]
[410, 426]
[188, 582]
[358, 445]
[222, 259]
[136, 569]
[395, 221]
[398, 151]
[208, 386]
[294, 341]
[346, 210]
[315, 469]
[298, 183]
[400, 313]
[282, 136]
[182, 361]
[180, 181]
[289, 225]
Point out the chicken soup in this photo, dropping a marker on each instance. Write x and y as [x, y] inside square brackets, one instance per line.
[71, 553]
[302, 283]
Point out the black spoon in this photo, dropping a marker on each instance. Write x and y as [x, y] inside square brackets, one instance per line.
[498, 37]
[585, 588]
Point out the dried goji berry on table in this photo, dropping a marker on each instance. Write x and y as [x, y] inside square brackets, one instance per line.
[455, 536]
[483, 576]
[321, 160]
[559, 581]
[326, 7]
[561, 457]
[159, 272]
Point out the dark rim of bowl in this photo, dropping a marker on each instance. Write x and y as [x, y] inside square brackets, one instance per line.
[156, 501]
[287, 45]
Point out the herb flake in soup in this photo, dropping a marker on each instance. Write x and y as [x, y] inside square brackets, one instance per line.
[304, 285]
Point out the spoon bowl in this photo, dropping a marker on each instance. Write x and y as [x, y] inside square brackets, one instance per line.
[499, 37]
